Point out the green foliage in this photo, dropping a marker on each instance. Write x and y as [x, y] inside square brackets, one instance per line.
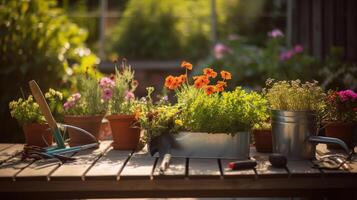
[157, 118]
[28, 111]
[251, 65]
[88, 100]
[123, 99]
[37, 41]
[228, 112]
[294, 95]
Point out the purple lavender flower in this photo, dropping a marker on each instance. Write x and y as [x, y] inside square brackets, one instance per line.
[220, 50]
[298, 49]
[346, 95]
[275, 33]
[76, 96]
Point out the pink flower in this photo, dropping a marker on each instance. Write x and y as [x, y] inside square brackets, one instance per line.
[298, 49]
[106, 82]
[346, 95]
[275, 33]
[68, 105]
[107, 94]
[220, 50]
[286, 55]
[129, 95]
[76, 96]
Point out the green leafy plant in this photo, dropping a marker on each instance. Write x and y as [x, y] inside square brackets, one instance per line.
[294, 95]
[123, 87]
[341, 106]
[28, 111]
[90, 99]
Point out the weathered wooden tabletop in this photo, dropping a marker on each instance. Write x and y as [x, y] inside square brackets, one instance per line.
[105, 172]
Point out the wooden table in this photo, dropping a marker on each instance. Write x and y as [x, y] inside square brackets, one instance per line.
[105, 172]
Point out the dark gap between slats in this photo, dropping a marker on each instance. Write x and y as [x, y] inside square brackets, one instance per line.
[153, 169]
[125, 162]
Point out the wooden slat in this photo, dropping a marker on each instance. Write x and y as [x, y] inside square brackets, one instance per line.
[4, 146]
[13, 166]
[203, 168]
[10, 151]
[351, 13]
[317, 28]
[84, 160]
[305, 24]
[328, 26]
[40, 169]
[108, 166]
[302, 168]
[227, 173]
[139, 166]
[176, 169]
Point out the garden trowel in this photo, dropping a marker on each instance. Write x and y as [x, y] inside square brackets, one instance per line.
[61, 147]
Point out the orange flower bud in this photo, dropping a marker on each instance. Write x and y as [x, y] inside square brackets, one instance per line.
[210, 72]
[226, 75]
[186, 65]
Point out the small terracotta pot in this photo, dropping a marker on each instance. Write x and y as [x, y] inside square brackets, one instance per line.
[89, 123]
[340, 130]
[263, 140]
[125, 136]
[38, 134]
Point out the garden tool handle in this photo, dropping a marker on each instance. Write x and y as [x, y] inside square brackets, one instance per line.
[40, 99]
[330, 140]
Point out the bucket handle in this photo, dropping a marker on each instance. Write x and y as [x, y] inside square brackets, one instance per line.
[80, 130]
[330, 140]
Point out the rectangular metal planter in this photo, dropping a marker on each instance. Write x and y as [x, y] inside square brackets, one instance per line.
[202, 145]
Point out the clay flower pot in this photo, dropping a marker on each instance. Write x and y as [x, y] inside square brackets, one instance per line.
[263, 140]
[89, 123]
[125, 136]
[340, 130]
[37, 134]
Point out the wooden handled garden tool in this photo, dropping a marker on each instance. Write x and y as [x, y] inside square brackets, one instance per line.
[40, 99]
[61, 147]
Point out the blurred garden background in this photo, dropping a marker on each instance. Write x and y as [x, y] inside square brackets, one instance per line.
[51, 40]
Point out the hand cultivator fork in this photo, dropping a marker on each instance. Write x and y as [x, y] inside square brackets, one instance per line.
[60, 148]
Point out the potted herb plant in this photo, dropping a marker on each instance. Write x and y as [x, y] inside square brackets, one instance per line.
[28, 115]
[341, 115]
[86, 108]
[122, 108]
[294, 115]
[212, 121]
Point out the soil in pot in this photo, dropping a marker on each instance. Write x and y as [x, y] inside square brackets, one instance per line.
[89, 123]
[125, 136]
[38, 134]
[263, 140]
[340, 130]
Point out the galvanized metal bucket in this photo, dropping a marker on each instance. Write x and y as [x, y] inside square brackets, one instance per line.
[291, 130]
[202, 145]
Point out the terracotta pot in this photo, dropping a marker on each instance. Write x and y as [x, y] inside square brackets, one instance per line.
[37, 134]
[89, 123]
[263, 140]
[125, 137]
[340, 130]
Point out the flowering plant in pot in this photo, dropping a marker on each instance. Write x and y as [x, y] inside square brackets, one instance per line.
[122, 108]
[85, 109]
[295, 113]
[340, 115]
[207, 114]
[28, 115]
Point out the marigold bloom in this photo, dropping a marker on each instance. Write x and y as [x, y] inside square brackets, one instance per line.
[210, 89]
[169, 81]
[222, 83]
[210, 72]
[201, 81]
[226, 75]
[198, 84]
[220, 86]
[186, 65]
[181, 79]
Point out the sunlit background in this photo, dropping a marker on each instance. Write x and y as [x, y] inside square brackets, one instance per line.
[50, 41]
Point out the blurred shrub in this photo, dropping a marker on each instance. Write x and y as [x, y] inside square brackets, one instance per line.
[37, 41]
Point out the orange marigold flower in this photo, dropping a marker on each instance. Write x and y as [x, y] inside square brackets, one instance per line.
[222, 83]
[137, 114]
[170, 81]
[210, 89]
[226, 75]
[186, 65]
[198, 84]
[210, 72]
[219, 87]
[182, 78]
